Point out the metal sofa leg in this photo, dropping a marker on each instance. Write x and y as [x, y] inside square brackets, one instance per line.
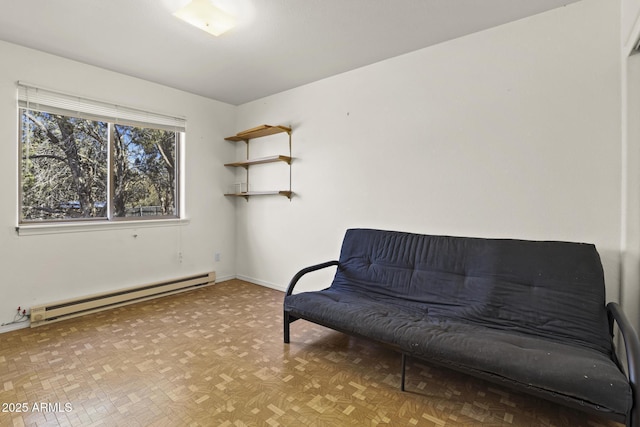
[287, 322]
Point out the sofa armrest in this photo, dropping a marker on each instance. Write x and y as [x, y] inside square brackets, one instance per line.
[304, 271]
[632, 346]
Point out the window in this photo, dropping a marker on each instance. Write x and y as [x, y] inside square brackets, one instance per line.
[87, 160]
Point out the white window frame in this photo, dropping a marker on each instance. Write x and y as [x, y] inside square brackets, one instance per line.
[43, 99]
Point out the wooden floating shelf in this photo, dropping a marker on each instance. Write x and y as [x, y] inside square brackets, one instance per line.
[261, 160]
[257, 132]
[248, 194]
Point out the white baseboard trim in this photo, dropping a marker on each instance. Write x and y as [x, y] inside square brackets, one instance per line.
[14, 327]
[263, 283]
[224, 278]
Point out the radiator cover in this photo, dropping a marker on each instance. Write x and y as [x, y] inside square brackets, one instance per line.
[61, 310]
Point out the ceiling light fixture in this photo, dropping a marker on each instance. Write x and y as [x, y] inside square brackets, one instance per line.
[204, 15]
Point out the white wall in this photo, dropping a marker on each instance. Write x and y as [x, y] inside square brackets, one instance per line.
[631, 156]
[511, 132]
[630, 34]
[45, 268]
[630, 12]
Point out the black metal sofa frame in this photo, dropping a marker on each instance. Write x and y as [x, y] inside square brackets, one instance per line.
[528, 315]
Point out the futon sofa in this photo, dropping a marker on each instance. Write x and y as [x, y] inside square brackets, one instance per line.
[529, 315]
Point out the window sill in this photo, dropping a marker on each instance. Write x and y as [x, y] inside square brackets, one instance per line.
[81, 227]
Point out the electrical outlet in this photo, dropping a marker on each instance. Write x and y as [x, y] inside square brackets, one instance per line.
[217, 257]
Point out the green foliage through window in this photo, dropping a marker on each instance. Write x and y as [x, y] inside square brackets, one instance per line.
[78, 168]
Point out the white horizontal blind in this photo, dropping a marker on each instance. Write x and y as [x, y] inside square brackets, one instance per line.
[40, 99]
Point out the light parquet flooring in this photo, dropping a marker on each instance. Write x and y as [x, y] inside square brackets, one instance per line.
[215, 357]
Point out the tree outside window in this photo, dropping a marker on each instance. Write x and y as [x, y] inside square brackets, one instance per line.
[145, 172]
[78, 168]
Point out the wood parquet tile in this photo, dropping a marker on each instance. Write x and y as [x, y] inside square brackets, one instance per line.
[215, 357]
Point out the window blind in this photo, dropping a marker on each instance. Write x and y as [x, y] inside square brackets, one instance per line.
[41, 99]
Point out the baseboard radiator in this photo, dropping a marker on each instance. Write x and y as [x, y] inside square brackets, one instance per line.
[62, 310]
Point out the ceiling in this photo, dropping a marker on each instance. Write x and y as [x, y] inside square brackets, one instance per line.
[277, 45]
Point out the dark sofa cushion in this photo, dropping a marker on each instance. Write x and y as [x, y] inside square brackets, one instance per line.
[552, 290]
[546, 366]
[551, 367]
[530, 314]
